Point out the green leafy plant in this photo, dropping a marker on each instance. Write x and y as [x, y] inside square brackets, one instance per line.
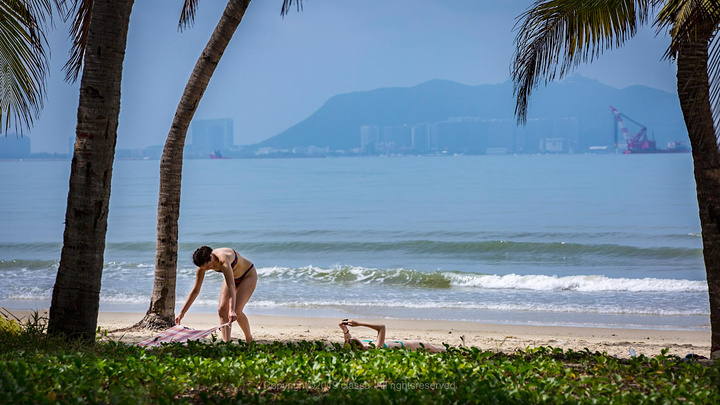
[39, 369]
[9, 323]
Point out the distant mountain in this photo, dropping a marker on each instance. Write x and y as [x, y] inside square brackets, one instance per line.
[337, 123]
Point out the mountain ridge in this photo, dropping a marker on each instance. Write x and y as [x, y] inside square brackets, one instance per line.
[336, 124]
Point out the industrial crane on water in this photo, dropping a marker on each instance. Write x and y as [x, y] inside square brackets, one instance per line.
[640, 143]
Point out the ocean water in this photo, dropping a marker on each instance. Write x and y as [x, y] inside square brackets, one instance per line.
[584, 240]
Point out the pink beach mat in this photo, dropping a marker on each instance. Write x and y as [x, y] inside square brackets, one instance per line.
[178, 333]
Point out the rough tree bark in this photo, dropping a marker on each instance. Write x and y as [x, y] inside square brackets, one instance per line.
[694, 93]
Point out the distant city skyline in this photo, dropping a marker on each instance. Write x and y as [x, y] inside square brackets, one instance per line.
[443, 117]
[277, 71]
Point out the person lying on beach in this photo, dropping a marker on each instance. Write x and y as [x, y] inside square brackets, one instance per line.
[380, 341]
[239, 284]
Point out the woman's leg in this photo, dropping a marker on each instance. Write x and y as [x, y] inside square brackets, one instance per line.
[434, 348]
[224, 312]
[416, 345]
[242, 294]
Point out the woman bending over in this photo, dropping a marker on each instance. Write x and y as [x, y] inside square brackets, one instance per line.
[240, 278]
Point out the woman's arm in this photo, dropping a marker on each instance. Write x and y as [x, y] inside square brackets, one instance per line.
[346, 333]
[199, 277]
[380, 328]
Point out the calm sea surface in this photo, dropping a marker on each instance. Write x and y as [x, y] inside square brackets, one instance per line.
[592, 240]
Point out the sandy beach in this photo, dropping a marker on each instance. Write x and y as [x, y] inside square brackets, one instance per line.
[495, 337]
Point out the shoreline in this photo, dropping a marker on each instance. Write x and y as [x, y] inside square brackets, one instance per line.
[506, 338]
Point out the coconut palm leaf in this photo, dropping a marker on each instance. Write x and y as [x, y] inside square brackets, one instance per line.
[23, 61]
[557, 35]
[684, 19]
[187, 16]
[79, 11]
[714, 78]
[287, 4]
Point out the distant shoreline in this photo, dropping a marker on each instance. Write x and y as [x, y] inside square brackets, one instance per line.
[296, 156]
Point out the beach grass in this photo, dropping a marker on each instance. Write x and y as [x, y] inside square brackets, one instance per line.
[37, 368]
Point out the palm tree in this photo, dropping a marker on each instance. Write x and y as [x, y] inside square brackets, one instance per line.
[23, 61]
[161, 313]
[101, 28]
[556, 35]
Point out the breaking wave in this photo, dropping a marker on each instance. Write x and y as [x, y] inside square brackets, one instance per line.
[444, 279]
[479, 250]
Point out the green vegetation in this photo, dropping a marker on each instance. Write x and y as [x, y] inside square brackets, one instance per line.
[37, 368]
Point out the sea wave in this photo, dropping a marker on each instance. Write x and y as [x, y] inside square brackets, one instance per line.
[577, 283]
[483, 306]
[490, 250]
[17, 273]
[28, 264]
[445, 279]
[37, 294]
[368, 235]
[350, 274]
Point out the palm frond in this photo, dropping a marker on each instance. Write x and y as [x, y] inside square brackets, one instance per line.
[683, 18]
[23, 61]
[80, 11]
[40, 10]
[688, 20]
[287, 4]
[555, 36]
[714, 79]
[187, 16]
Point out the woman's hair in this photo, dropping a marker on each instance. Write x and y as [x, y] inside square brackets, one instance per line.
[355, 344]
[202, 255]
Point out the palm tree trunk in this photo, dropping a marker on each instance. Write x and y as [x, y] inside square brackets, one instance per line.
[76, 296]
[162, 303]
[694, 94]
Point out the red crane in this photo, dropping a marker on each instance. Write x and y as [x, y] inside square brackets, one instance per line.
[638, 143]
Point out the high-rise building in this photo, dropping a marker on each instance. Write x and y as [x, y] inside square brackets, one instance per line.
[212, 136]
[369, 137]
[396, 138]
[462, 135]
[475, 136]
[422, 139]
[500, 136]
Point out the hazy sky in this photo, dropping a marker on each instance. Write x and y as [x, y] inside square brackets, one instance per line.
[276, 71]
